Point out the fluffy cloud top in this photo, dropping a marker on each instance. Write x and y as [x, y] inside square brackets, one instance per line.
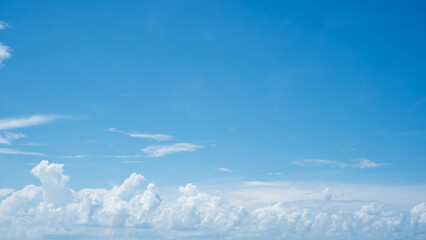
[134, 210]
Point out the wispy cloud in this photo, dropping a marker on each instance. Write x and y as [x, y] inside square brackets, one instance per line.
[221, 169]
[7, 138]
[359, 163]
[75, 156]
[161, 150]
[9, 123]
[3, 25]
[125, 156]
[157, 137]
[5, 53]
[18, 152]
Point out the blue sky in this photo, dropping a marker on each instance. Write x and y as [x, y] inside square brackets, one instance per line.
[225, 95]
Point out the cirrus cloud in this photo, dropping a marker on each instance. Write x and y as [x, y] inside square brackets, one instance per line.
[162, 150]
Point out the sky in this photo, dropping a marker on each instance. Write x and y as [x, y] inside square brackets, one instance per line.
[212, 120]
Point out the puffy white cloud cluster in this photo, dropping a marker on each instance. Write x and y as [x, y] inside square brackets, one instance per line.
[134, 210]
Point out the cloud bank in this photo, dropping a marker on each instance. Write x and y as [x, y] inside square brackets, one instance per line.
[135, 210]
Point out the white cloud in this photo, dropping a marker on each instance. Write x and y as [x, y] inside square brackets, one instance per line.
[5, 53]
[3, 25]
[5, 191]
[223, 169]
[18, 152]
[9, 123]
[75, 156]
[161, 150]
[126, 156]
[365, 163]
[418, 214]
[157, 137]
[134, 209]
[359, 163]
[7, 138]
[319, 162]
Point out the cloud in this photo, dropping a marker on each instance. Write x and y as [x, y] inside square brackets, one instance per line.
[162, 150]
[10, 123]
[18, 152]
[223, 169]
[5, 191]
[365, 163]
[134, 208]
[359, 163]
[75, 156]
[7, 138]
[319, 162]
[3, 25]
[157, 137]
[4, 53]
[126, 156]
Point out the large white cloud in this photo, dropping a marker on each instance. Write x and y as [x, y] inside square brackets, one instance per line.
[134, 210]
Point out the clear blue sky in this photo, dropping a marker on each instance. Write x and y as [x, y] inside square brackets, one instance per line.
[251, 90]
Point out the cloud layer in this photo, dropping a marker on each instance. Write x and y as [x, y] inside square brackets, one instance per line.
[135, 209]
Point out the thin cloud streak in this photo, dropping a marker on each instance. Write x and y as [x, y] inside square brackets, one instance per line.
[7, 138]
[3, 25]
[223, 169]
[10, 123]
[18, 152]
[75, 156]
[359, 163]
[162, 150]
[157, 137]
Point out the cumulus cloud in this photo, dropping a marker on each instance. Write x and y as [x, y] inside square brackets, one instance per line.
[5, 191]
[157, 137]
[359, 163]
[162, 150]
[18, 152]
[7, 138]
[134, 209]
[10, 123]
